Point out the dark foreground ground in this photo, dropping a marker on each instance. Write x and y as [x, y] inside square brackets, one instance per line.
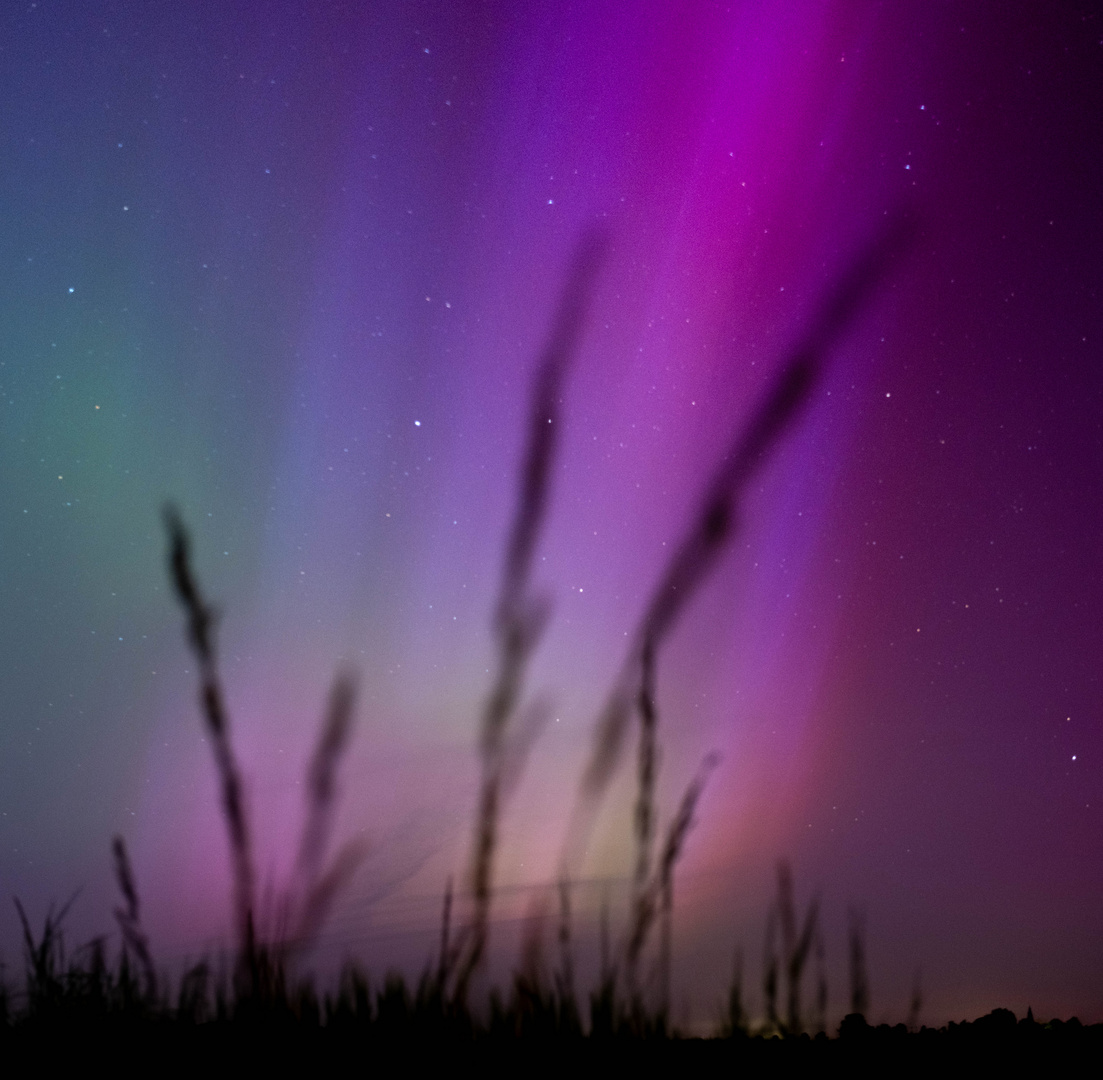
[993, 1045]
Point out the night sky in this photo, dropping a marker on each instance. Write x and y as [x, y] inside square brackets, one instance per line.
[291, 265]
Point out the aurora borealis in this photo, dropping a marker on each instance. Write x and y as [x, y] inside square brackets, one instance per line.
[291, 266]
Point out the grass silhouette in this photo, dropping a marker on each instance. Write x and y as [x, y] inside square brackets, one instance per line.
[520, 614]
[796, 947]
[201, 633]
[212, 1010]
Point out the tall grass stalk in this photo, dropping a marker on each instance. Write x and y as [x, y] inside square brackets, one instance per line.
[564, 979]
[316, 885]
[202, 621]
[43, 960]
[859, 980]
[647, 769]
[735, 1019]
[710, 530]
[659, 889]
[301, 910]
[521, 615]
[796, 945]
[129, 916]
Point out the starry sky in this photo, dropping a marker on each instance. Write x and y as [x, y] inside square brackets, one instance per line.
[291, 266]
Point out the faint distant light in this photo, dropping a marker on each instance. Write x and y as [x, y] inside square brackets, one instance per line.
[71, 289]
[1073, 757]
[417, 423]
[551, 202]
